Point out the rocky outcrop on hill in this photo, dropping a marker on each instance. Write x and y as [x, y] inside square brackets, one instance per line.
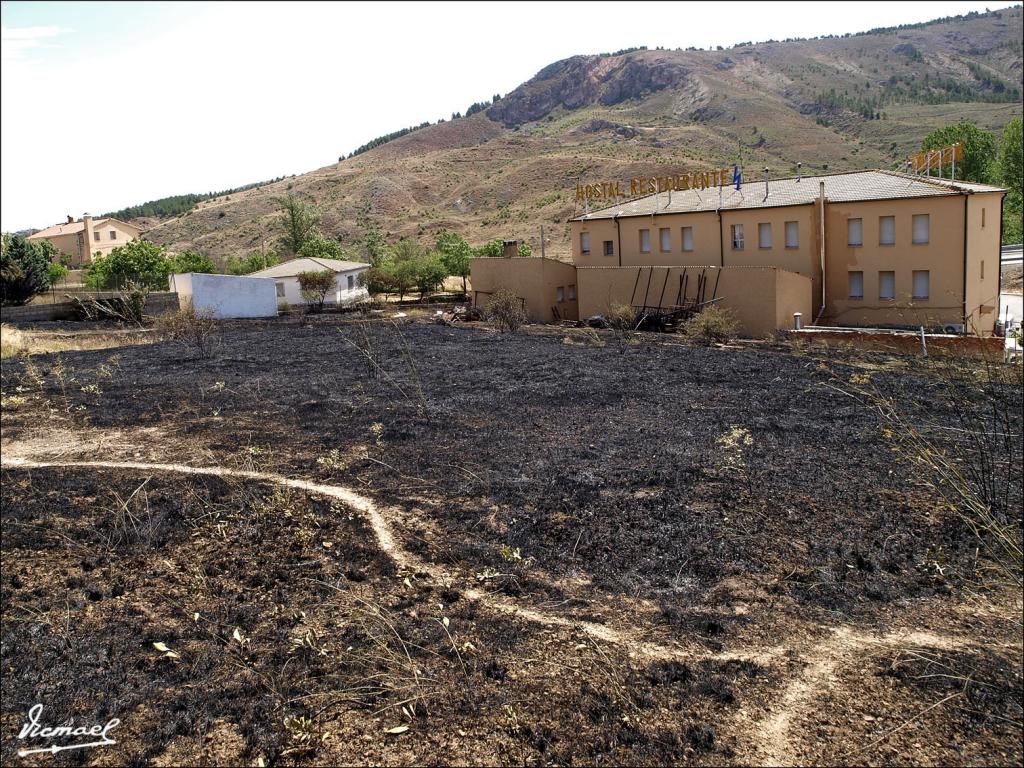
[582, 81]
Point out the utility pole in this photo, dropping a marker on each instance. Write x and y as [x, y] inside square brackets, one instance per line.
[542, 241]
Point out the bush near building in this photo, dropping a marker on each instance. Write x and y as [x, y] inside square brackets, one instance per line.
[506, 310]
[24, 269]
[711, 325]
[143, 263]
[314, 287]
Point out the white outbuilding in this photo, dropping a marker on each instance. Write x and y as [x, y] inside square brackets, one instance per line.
[346, 279]
[226, 296]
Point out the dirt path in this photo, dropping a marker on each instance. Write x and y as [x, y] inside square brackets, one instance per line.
[769, 729]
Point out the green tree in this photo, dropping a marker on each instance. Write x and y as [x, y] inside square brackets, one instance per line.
[1009, 173]
[375, 247]
[24, 268]
[491, 249]
[323, 248]
[979, 150]
[139, 261]
[403, 275]
[191, 261]
[407, 249]
[376, 281]
[525, 250]
[56, 272]
[429, 273]
[254, 262]
[298, 220]
[315, 286]
[455, 255]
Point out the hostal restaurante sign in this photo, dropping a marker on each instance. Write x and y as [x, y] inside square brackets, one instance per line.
[606, 190]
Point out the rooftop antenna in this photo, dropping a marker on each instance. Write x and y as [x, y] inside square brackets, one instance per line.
[799, 171]
[765, 183]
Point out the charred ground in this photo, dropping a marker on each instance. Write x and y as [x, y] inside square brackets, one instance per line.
[737, 504]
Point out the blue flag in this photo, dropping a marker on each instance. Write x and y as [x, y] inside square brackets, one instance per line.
[737, 176]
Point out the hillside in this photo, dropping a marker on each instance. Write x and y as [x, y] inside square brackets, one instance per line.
[833, 103]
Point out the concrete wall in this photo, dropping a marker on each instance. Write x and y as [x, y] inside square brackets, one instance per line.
[156, 304]
[227, 296]
[535, 280]
[763, 298]
[341, 294]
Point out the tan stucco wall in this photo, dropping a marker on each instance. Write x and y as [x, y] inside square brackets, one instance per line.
[984, 213]
[533, 279]
[763, 298]
[942, 256]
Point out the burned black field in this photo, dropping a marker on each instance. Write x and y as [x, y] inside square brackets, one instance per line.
[656, 553]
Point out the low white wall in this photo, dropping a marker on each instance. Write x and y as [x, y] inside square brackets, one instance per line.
[227, 296]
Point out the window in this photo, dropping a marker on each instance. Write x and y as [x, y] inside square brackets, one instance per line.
[737, 237]
[856, 281]
[113, 234]
[922, 279]
[983, 218]
[887, 230]
[792, 234]
[96, 235]
[572, 293]
[764, 235]
[645, 241]
[585, 243]
[666, 239]
[982, 269]
[687, 238]
[855, 232]
[280, 290]
[921, 229]
[560, 292]
[887, 285]
[351, 282]
[609, 248]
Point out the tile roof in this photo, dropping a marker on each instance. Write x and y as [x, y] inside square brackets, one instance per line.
[839, 188]
[294, 266]
[75, 226]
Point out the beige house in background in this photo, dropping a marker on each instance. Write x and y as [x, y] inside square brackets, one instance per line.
[87, 238]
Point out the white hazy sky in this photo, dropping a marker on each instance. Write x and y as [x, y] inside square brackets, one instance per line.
[106, 105]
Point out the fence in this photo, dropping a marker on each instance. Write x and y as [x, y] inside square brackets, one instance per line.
[157, 303]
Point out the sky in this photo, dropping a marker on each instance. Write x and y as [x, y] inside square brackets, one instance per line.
[106, 105]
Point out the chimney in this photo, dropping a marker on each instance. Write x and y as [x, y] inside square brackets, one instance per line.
[87, 235]
[510, 248]
[766, 182]
[71, 219]
[799, 171]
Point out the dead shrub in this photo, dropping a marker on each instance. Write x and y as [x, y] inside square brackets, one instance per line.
[712, 325]
[507, 311]
[191, 328]
[129, 307]
[621, 318]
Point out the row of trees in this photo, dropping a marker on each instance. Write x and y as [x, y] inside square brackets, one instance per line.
[988, 160]
[145, 264]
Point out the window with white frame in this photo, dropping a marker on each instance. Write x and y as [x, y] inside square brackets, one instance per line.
[856, 282]
[921, 227]
[351, 282]
[737, 237]
[792, 234]
[665, 234]
[645, 241]
[855, 232]
[572, 293]
[887, 285]
[922, 284]
[887, 230]
[280, 290]
[687, 238]
[764, 235]
[585, 243]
